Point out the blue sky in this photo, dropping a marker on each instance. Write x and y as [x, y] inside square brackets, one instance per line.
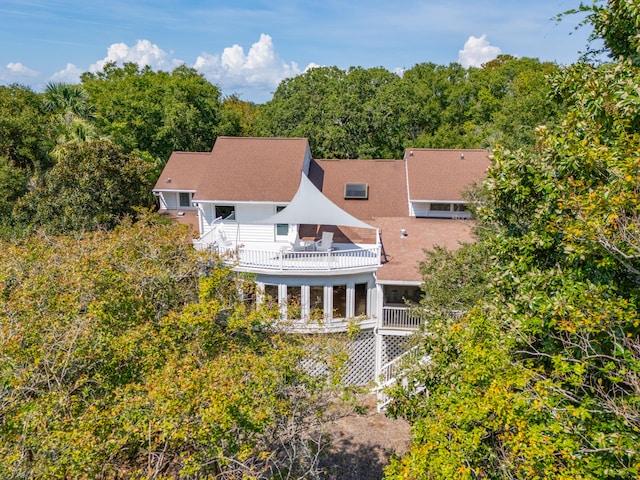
[248, 46]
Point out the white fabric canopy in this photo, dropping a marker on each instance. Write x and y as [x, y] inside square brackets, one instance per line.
[310, 206]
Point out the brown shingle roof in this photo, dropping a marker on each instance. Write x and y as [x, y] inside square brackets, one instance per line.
[442, 175]
[253, 169]
[183, 171]
[405, 254]
[386, 179]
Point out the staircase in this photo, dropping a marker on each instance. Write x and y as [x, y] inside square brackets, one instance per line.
[206, 241]
[395, 371]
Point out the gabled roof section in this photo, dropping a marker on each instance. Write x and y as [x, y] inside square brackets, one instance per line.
[386, 180]
[442, 175]
[251, 169]
[183, 171]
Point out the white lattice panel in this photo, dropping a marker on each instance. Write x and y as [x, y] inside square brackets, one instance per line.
[393, 346]
[360, 368]
[362, 359]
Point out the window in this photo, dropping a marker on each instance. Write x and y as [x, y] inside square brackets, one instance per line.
[316, 303]
[339, 301]
[185, 199]
[248, 293]
[294, 302]
[360, 300]
[459, 207]
[227, 212]
[440, 207]
[356, 191]
[281, 228]
[271, 293]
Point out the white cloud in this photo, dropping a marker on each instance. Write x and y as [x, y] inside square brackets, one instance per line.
[70, 74]
[16, 72]
[257, 73]
[477, 51]
[20, 69]
[260, 69]
[143, 53]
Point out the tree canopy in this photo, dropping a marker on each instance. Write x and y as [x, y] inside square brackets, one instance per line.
[92, 186]
[374, 113]
[154, 111]
[123, 354]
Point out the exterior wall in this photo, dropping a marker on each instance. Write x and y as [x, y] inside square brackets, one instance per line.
[241, 229]
[423, 210]
[246, 213]
[171, 201]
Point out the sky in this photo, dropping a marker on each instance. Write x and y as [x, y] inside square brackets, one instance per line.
[247, 47]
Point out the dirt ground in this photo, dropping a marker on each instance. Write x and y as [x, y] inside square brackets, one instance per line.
[361, 443]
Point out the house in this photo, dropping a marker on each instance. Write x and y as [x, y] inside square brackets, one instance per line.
[329, 240]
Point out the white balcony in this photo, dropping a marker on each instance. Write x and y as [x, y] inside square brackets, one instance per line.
[275, 257]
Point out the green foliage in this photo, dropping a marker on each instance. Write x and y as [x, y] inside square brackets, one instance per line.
[345, 114]
[614, 22]
[238, 117]
[93, 185]
[372, 113]
[23, 129]
[540, 379]
[72, 115]
[120, 357]
[13, 184]
[155, 112]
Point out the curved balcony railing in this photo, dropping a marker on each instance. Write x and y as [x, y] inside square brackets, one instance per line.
[290, 260]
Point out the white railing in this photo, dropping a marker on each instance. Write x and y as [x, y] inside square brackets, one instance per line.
[399, 317]
[206, 240]
[303, 260]
[389, 371]
[395, 370]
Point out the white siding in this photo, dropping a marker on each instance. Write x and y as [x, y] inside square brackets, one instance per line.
[256, 233]
[423, 210]
[169, 200]
[419, 209]
[251, 232]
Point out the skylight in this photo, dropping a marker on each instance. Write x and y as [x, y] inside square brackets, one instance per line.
[356, 190]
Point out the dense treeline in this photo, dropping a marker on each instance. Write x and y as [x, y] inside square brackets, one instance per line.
[136, 116]
[377, 114]
[533, 332]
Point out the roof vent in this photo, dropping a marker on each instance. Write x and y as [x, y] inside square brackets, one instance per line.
[168, 180]
[462, 156]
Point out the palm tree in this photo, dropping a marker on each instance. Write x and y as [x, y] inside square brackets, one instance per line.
[73, 115]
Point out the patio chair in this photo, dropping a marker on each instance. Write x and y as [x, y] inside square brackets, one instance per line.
[223, 244]
[297, 245]
[324, 244]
